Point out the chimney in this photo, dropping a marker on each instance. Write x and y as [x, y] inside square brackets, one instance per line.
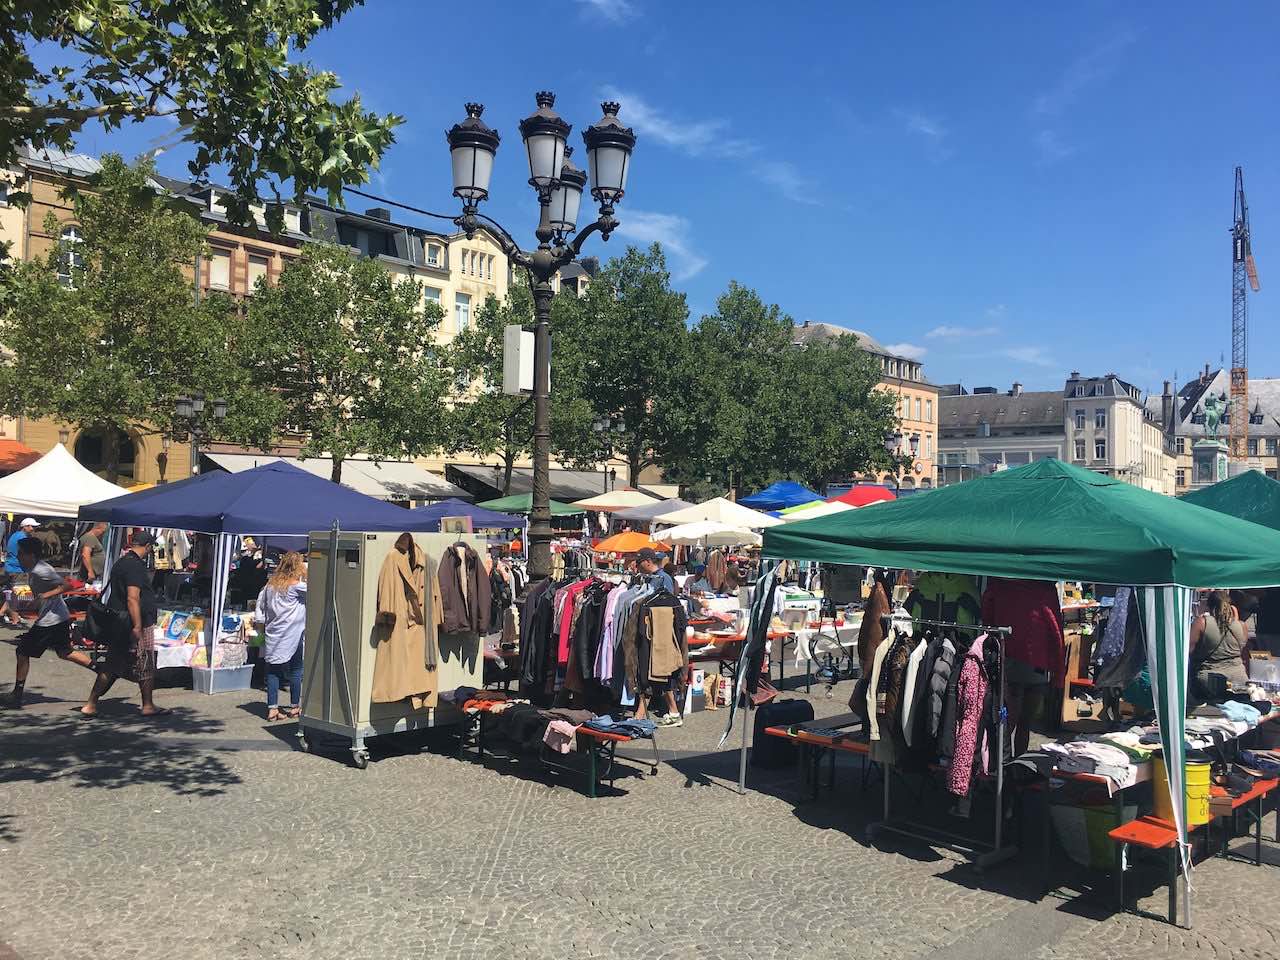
[1166, 407]
[1205, 375]
[1075, 374]
[379, 213]
[1017, 390]
[806, 324]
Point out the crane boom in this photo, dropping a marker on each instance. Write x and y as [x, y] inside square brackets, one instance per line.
[1244, 274]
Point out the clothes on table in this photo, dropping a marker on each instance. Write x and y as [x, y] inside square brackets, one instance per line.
[561, 736]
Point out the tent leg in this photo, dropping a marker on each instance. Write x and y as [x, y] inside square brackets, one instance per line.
[742, 753]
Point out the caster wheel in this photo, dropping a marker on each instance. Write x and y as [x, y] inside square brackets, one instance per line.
[361, 760]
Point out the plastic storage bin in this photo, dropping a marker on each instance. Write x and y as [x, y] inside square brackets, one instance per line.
[222, 679]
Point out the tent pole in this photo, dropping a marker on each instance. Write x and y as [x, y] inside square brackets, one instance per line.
[742, 751]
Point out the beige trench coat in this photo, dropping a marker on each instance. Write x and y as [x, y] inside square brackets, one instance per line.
[406, 632]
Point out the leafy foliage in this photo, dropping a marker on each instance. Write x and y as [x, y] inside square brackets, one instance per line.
[221, 70]
[114, 342]
[342, 353]
[630, 342]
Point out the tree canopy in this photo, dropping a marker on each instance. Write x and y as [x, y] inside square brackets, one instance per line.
[222, 71]
[104, 332]
[341, 353]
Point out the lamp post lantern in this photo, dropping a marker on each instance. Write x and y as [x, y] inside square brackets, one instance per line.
[559, 185]
[188, 416]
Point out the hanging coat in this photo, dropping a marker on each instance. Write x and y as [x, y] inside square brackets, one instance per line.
[971, 698]
[871, 632]
[400, 633]
[464, 588]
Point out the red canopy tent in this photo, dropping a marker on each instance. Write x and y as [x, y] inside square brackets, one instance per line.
[861, 496]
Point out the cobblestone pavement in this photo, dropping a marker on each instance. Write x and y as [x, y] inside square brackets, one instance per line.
[207, 835]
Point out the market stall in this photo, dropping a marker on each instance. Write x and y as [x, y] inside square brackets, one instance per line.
[481, 518]
[1250, 496]
[1053, 521]
[56, 485]
[616, 500]
[720, 510]
[708, 533]
[274, 500]
[780, 496]
[647, 515]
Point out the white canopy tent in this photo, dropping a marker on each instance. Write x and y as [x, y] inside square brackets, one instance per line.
[722, 511]
[616, 500]
[708, 533]
[56, 485]
[819, 510]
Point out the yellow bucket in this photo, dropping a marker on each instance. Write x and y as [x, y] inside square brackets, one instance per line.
[1198, 782]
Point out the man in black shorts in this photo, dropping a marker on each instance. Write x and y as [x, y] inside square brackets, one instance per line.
[52, 629]
[131, 655]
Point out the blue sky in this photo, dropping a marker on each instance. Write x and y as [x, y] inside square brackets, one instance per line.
[1010, 191]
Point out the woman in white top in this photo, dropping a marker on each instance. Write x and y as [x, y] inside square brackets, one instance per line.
[282, 607]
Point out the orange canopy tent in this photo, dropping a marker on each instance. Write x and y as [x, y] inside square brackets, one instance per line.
[629, 541]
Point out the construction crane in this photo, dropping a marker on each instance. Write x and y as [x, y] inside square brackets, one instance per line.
[1242, 269]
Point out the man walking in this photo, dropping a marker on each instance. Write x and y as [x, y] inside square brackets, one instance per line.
[52, 629]
[132, 654]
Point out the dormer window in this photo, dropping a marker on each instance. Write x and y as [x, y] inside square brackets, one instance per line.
[433, 254]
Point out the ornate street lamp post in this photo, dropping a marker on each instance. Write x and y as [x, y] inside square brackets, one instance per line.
[559, 185]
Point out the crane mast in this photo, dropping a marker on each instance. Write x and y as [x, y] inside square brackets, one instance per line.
[1243, 271]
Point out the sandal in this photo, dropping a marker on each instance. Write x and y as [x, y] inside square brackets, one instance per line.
[293, 713]
[273, 715]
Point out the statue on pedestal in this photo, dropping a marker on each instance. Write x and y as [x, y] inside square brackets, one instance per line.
[1215, 411]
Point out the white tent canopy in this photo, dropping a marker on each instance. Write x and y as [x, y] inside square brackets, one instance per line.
[821, 510]
[709, 533]
[616, 500]
[56, 485]
[721, 511]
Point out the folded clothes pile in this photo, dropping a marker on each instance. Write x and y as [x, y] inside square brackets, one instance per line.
[1094, 757]
[628, 727]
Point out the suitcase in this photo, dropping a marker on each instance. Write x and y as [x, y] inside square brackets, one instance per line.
[772, 753]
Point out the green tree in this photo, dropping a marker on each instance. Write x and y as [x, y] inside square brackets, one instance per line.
[841, 415]
[630, 342]
[222, 71]
[487, 421]
[344, 354]
[104, 333]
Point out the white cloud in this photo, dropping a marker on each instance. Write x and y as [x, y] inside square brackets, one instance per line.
[672, 231]
[615, 11]
[996, 311]
[786, 178]
[694, 137]
[909, 350]
[1036, 356]
[1051, 146]
[1086, 70]
[946, 332]
[930, 129]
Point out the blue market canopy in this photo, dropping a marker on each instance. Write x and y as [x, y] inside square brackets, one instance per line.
[779, 496]
[481, 519]
[273, 499]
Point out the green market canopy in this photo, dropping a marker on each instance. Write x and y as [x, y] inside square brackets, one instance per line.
[1249, 496]
[1048, 520]
[1053, 521]
[523, 503]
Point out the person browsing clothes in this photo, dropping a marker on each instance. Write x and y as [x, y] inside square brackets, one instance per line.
[282, 609]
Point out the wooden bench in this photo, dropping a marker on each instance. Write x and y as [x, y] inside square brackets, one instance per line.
[601, 748]
[1156, 834]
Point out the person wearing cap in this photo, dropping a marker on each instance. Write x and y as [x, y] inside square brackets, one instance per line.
[650, 564]
[131, 654]
[52, 629]
[13, 572]
[698, 582]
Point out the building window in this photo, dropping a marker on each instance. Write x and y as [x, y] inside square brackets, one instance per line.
[906, 408]
[488, 267]
[1271, 446]
[219, 269]
[918, 417]
[1099, 449]
[1097, 390]
[1253, 446]
[928, 410]
[462, 311]
[1080, 450]
[1181, 478]
[432, 294]
[928, 445]
[4, 193]
[1100, 419]
[1180, 444]
[1271, 474]
[433, 255]
[70, 259]
[1079, 419]
[1079, 391]
[258, 267]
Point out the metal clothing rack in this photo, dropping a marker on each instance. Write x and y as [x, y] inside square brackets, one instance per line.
[998, 852]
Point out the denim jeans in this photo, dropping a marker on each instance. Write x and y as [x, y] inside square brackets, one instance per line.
[278, 673]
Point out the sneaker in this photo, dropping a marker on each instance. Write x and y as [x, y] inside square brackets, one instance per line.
[14, 699]
[671, 720]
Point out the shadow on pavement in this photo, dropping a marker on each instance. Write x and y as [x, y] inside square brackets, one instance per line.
[119, 748]
[8, 832]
